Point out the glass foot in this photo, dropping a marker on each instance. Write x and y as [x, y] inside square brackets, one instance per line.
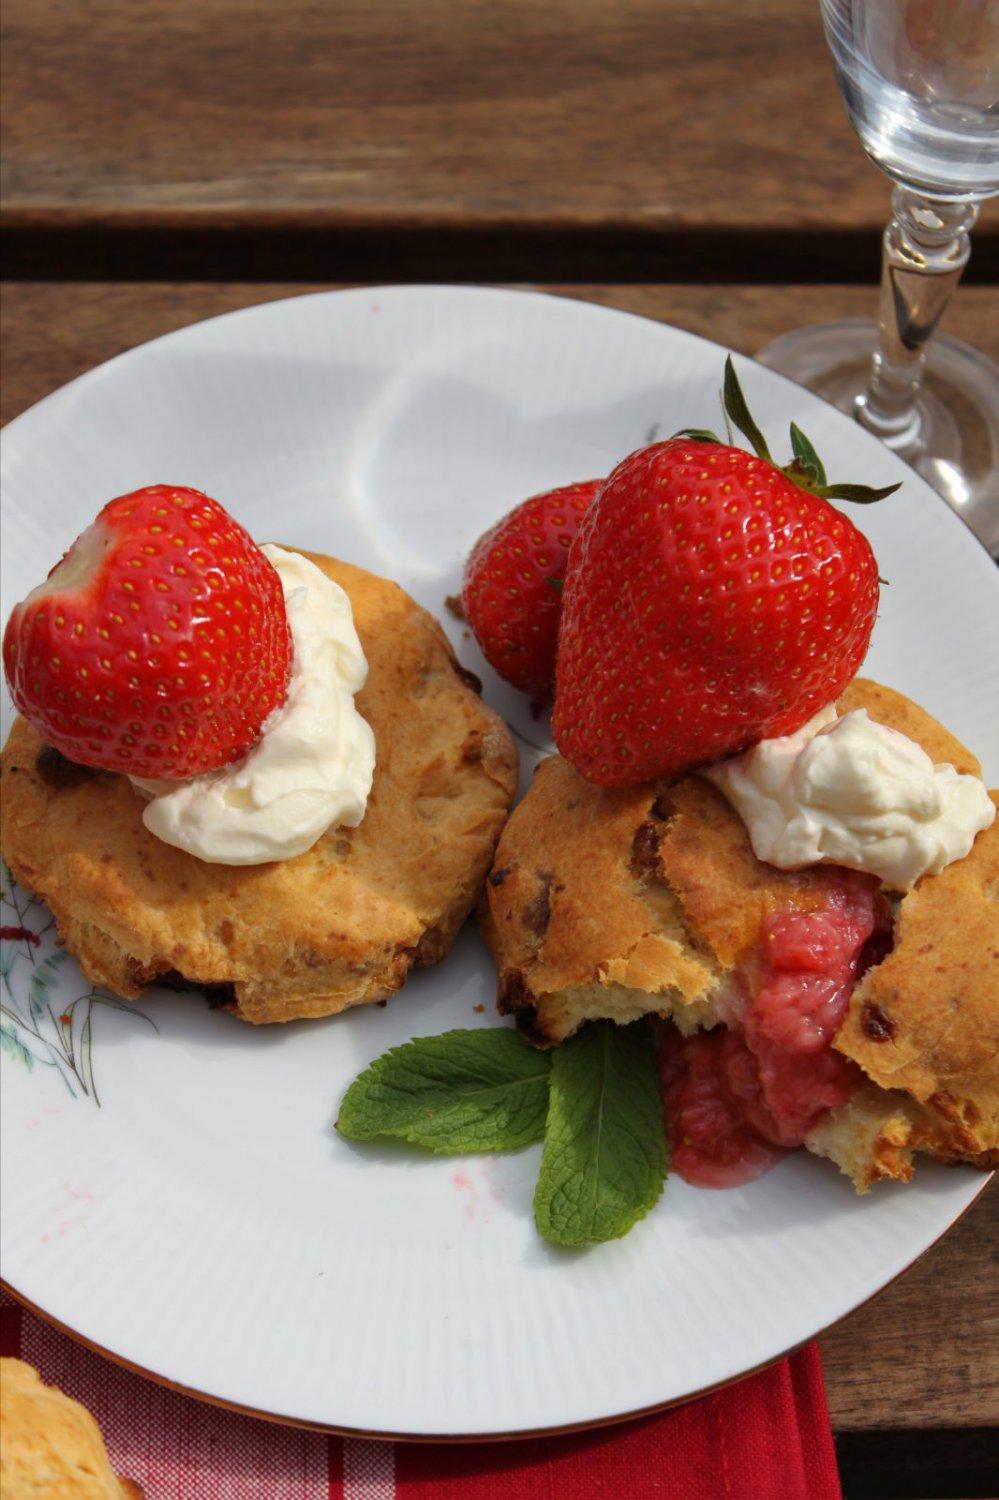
[954, 441]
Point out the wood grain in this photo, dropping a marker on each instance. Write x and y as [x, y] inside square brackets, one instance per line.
[644, 116]
[52, 332]
[925, 1352]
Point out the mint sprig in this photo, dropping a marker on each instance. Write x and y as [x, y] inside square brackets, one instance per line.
[455, 1094]
[595, 1101]
[606, 1154]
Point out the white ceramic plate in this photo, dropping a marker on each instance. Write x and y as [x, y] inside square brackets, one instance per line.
[173, 1192]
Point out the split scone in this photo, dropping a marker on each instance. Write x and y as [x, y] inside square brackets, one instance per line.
[339, 925]
[649, 899]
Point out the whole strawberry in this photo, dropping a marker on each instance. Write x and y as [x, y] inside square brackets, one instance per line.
[158, 645]
[512, 589]
[711, 600]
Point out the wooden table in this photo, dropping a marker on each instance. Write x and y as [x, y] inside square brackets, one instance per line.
[685, 161]
[582, 140]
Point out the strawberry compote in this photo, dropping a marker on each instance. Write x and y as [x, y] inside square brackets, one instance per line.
[737, 1098]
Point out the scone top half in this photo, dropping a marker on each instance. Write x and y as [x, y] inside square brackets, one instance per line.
[339, 925]
[650, 900]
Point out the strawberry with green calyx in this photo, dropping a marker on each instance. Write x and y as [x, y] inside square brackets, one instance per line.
[712, 599]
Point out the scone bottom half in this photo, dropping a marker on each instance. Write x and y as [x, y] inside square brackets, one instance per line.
[649, 901]
[342, 924]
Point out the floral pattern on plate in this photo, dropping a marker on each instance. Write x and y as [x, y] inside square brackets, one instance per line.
[46, 1019]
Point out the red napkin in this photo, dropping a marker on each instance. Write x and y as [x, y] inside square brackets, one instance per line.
[766, 1438]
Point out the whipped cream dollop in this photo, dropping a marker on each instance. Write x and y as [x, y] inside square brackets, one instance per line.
[312, 767]
[849, 791]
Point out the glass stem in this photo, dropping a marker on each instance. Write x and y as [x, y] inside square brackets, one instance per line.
[926, 248]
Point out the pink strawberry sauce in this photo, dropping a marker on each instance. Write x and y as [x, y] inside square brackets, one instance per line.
[738, 1098]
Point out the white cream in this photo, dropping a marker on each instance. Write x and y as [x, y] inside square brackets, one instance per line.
[312, 767]
[849, 791]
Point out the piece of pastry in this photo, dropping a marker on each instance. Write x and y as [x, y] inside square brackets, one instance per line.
[621, 902]
[341, 923]
[50, 1446]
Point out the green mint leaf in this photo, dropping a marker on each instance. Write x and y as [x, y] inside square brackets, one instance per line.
[461, 1092]
[735, 406]
[806, 455]
[606, 1155]
[862, 494]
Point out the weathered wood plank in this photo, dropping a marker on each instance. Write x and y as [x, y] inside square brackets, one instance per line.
[572, 114]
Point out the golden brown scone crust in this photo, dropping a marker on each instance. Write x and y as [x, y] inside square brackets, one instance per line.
[652, 887]
[870, 1137]
[926, 1020]
[341, 924]
[620, 902]
[51, 1447]
[596, 891]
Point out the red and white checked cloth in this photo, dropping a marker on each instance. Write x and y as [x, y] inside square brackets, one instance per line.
[766, 1438]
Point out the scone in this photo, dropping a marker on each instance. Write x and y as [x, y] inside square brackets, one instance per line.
[51, 1446]
[339, 925]
[649, 899]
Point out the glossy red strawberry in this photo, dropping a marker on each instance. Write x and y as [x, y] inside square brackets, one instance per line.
[158, 645]
[711, 600]
[512, 589]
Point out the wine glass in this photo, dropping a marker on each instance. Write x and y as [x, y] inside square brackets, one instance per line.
[920, 80]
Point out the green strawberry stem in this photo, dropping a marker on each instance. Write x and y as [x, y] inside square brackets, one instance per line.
[806, 455]
[806, 469]
[738, 410]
